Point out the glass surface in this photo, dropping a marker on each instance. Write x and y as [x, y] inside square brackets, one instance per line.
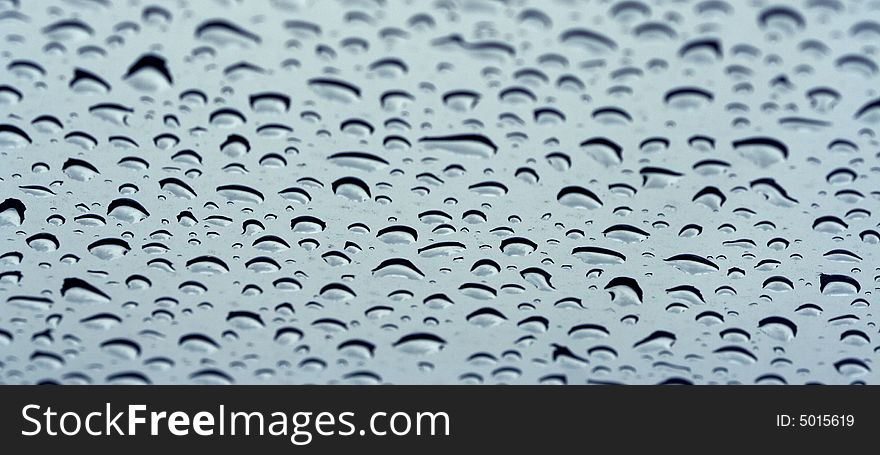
[471, 191]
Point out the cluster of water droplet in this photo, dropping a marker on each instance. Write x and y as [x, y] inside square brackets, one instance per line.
[454, 191]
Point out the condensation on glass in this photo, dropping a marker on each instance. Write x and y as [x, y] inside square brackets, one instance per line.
[474, 191]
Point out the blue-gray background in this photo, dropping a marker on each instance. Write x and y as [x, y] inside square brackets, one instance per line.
[474, 191]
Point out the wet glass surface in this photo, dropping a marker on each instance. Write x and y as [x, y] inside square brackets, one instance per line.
[473, 191]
